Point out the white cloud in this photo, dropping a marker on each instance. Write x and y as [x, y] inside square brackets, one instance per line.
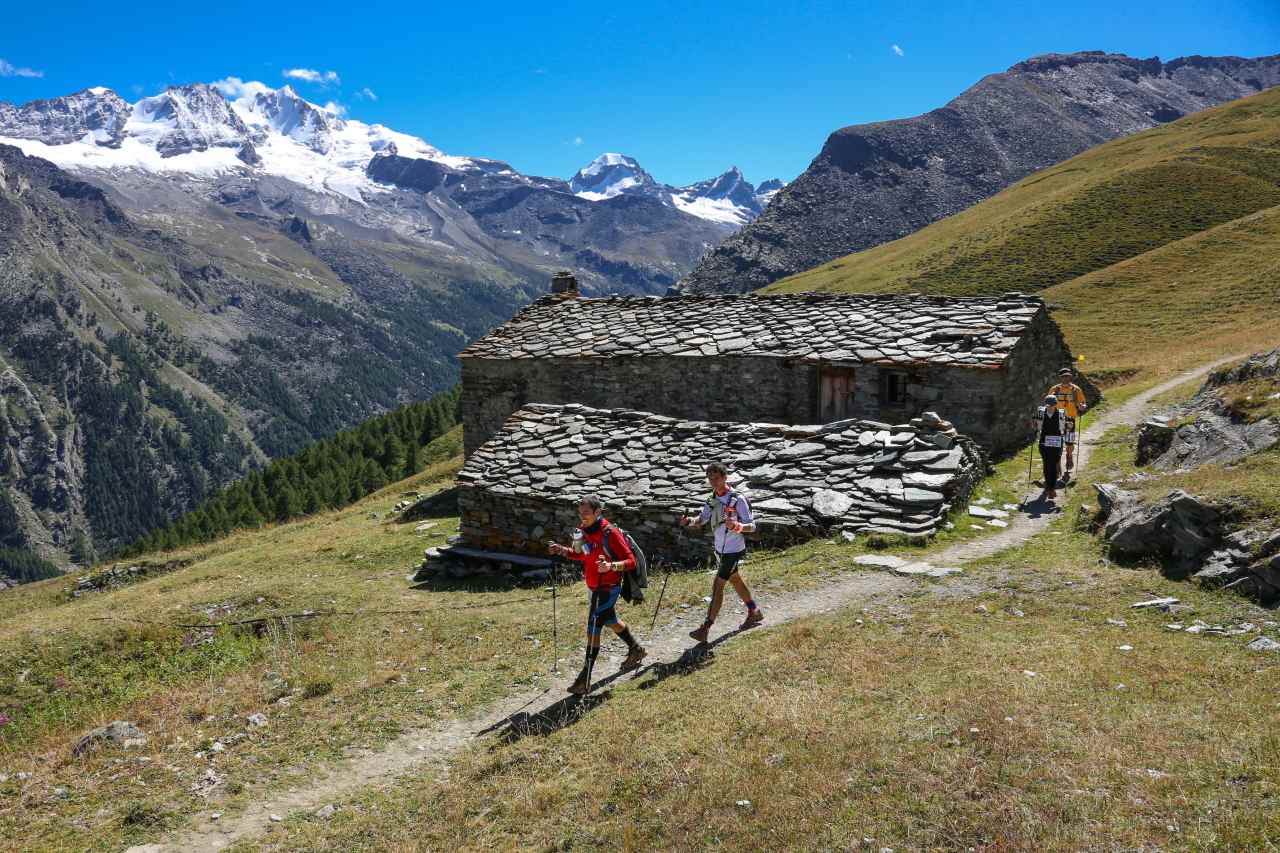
[310, 75]
[10, 70]
[898, 50]
[336, 108]
[366, 92]
[577, 140]
[234, 87]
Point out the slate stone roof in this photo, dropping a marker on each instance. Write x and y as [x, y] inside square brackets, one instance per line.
[892, 329]
[853, 475]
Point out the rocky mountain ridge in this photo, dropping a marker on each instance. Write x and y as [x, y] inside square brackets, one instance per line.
[877, 182]
[727, 198]
[267, 152]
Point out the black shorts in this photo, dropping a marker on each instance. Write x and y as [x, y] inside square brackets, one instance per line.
[727, 564]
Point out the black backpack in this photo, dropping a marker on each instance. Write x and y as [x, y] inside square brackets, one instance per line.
[635, 581]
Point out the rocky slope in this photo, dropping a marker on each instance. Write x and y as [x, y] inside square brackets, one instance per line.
[877, 182]
[141, 368]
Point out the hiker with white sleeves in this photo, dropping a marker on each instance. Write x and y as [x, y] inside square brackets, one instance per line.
[729, 515]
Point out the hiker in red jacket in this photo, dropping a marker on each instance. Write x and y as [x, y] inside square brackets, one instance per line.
[605, 555]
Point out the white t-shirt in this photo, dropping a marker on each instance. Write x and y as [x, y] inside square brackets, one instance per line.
[728, 542]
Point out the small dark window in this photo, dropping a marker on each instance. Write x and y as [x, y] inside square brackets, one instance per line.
[893, 388]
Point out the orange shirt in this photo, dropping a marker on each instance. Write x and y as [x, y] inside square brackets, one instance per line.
[1070, 398]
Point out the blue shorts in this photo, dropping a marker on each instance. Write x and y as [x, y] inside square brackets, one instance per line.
[601, 611]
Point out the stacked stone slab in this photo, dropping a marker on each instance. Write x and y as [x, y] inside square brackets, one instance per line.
[980, 362]
[520, 488]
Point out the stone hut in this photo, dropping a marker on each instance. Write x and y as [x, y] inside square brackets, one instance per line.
[982, 362]
[856, 476]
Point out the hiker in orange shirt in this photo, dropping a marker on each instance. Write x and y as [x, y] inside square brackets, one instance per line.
[1071, 403]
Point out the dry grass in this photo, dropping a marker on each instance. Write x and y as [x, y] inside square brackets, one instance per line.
[816, 724]
[918, 728]
[1254, 400]
[67, 665]
[999, 712]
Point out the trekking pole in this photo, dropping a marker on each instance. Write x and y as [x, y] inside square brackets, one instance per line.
[666, 577]
[1031, 460]
[555, 639]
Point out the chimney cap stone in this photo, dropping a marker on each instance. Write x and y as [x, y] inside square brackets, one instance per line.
[564, 282]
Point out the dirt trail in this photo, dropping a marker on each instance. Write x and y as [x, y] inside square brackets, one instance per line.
[430, 750]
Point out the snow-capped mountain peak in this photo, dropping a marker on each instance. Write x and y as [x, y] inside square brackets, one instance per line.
[610, 175]
[728, 198]
[211, 129]
[289, 114]
[766, 191]
[233, 126]
[96, 115]
[189, 118]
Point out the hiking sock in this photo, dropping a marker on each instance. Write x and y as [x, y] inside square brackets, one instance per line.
[751, 605]
[626, 637]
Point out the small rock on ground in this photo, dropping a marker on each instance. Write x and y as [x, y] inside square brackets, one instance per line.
[120, 733]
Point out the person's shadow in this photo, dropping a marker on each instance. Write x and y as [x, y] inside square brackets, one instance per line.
[1039, 506]
[565, 712]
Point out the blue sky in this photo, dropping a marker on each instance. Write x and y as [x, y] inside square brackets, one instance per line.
[687, 88]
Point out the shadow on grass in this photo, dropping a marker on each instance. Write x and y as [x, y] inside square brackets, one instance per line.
[565, 712]
[564, 574]
[551, 719]
[441, 504]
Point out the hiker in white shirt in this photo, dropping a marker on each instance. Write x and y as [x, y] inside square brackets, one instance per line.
[730, 516]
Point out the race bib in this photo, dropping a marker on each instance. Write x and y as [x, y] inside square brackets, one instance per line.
[1053, 441]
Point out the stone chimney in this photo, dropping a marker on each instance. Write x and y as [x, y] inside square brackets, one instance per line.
[565, 284]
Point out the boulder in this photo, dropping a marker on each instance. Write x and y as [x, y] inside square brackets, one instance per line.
[1154, 438]
[1213, 438]
[119, 733]
[1179, 530]
[1113, 500]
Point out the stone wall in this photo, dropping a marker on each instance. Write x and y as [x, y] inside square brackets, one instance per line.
[521, 487]
[990, 405]
[1029, 371]
[723, 388]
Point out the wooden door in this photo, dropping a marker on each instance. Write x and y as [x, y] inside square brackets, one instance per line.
[835, 394]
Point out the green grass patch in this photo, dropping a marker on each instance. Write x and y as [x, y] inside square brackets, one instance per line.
[1253, 400]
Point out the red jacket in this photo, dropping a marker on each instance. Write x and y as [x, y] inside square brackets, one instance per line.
[593, 555]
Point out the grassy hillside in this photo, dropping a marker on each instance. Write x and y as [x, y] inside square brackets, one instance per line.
[1160, 248]
[394, 657]
[869, 723]
[1083, 724]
